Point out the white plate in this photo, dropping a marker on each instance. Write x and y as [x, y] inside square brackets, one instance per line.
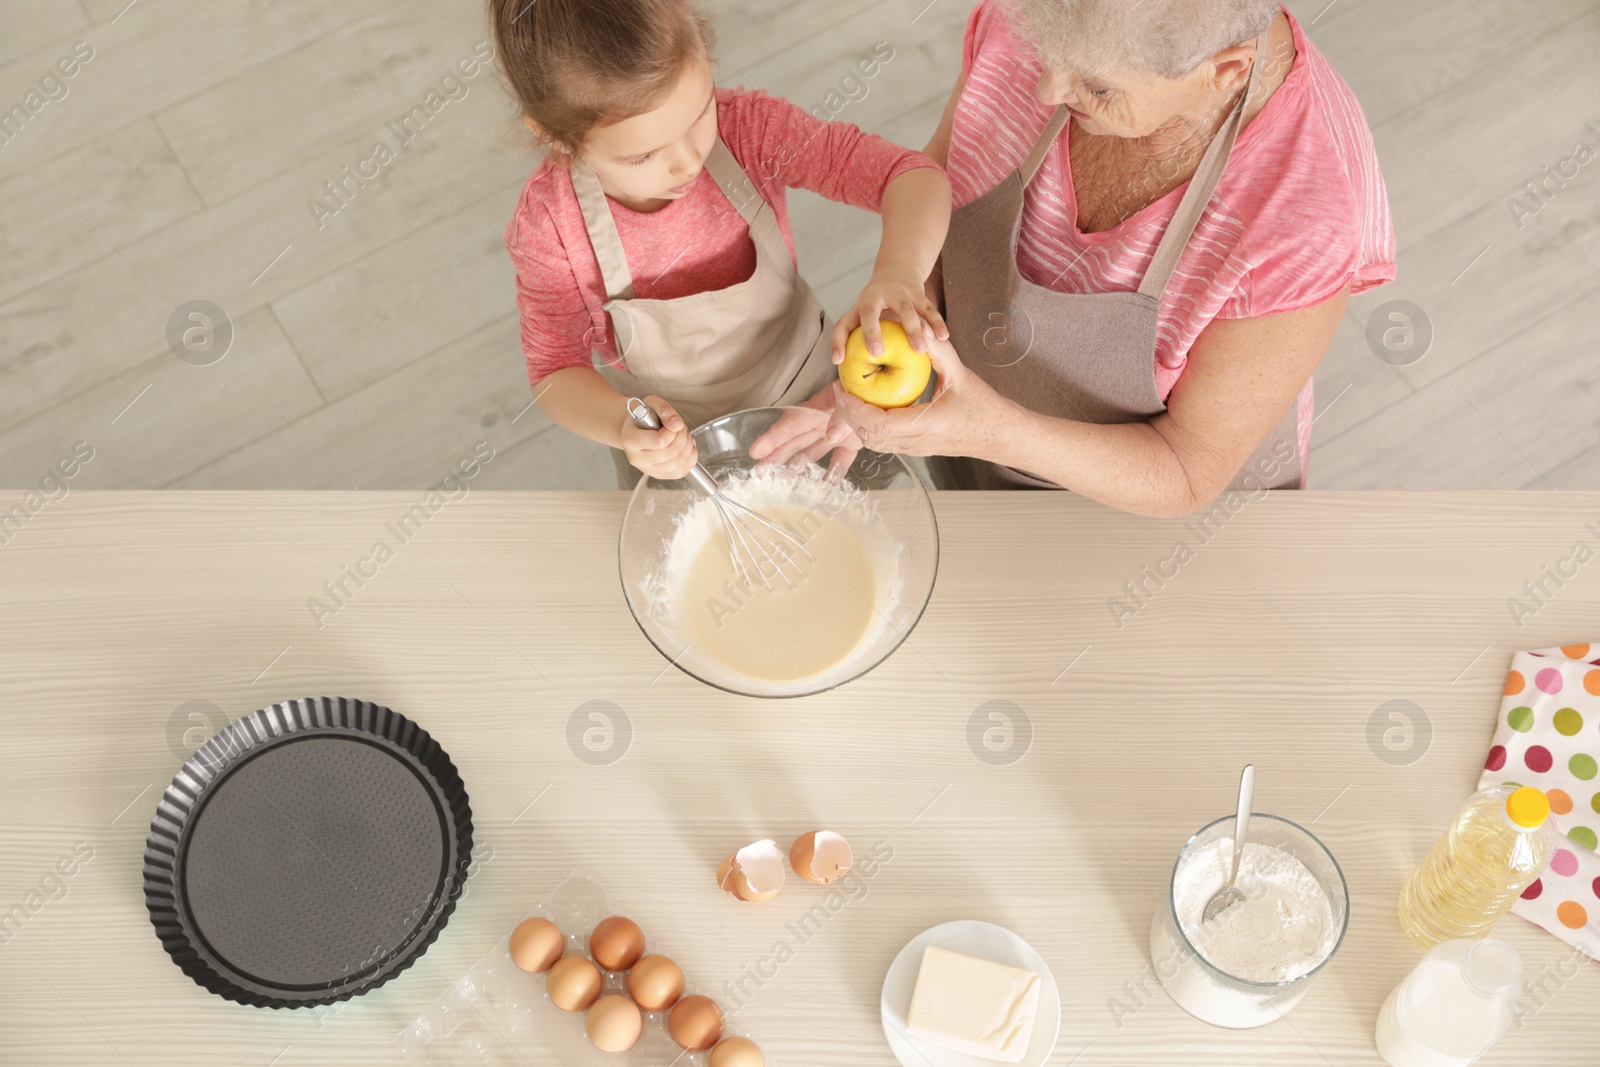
[985, 941]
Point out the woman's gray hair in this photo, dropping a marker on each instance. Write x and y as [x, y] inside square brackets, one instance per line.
[1165, 37]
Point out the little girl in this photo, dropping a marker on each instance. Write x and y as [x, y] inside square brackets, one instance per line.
[652, 244]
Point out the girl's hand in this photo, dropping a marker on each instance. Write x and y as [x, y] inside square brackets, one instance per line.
[665, 454]
[900, 292]
[811, 431]
[966, 417]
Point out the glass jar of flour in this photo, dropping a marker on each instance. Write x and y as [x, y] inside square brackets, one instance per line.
[1250, 965]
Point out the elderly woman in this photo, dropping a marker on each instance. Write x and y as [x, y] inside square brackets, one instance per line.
[1163, 207]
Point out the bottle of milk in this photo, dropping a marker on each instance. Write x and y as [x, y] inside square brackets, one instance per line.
[1452, 1007]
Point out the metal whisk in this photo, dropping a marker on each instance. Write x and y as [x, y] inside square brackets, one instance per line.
[755, 542]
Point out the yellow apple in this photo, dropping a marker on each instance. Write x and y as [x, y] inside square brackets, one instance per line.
[893, 380]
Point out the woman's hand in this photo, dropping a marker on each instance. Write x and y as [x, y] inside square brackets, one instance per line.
[665, 454]
[898, 290]
[809, 430]
[965, 418]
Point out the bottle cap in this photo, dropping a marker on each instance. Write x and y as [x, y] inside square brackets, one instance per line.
[1528, 807]
[1491, 968]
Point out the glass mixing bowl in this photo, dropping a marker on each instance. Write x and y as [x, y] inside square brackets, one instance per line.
[895, 491]
[1207, 991]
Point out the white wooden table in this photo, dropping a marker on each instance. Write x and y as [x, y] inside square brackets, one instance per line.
[1276, 643]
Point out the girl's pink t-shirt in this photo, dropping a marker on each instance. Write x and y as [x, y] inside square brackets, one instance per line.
[697, 243]
[1300, 212]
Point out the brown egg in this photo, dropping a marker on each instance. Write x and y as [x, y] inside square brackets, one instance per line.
[617, 943]
[536, 944]
[656, 983]
[695, 1023]
[573, 983]
[614, 1023]
[737, 1052]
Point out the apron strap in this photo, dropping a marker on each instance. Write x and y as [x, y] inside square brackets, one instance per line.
[735, 183]
[1052, 130]
[1201, 186]
[603, 235]
[602, 226]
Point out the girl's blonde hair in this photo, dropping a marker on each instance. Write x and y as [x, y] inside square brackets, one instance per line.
[573, 65]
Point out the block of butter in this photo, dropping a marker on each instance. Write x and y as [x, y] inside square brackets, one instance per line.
[978, 1007]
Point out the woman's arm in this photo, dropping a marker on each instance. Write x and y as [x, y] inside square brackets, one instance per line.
[1242, 376]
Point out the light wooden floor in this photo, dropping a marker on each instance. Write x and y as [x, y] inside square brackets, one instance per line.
[377, 349]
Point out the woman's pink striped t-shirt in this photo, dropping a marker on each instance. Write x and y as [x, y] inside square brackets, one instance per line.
[696, 244]
[1300, 212]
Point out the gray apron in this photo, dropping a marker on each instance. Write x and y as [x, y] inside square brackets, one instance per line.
[1089, 357]
[761, 342]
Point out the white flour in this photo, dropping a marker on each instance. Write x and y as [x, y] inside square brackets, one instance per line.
[764, 489]
[1281, 932]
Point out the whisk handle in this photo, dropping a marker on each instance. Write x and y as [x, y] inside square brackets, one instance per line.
[645, 417]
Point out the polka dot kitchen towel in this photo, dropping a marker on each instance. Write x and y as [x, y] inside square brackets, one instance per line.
[1548, 735]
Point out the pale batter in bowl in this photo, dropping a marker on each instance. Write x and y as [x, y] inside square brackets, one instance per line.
[840, 599]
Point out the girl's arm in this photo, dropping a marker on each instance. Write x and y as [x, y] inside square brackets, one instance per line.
[938, 150]
[555, 339]
[916, 213]
[578, 399]
[782, 146]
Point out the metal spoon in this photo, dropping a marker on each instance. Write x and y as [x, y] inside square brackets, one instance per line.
[1229, 895]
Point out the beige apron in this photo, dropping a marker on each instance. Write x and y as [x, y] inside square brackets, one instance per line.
[761, 342]
[1089, 357]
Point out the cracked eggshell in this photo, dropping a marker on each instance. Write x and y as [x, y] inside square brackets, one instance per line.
[821, 857]
[754, 873]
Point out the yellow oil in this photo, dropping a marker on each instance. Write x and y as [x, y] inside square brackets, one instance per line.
[1473, 874]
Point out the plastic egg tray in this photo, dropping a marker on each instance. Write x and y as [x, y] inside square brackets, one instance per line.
[496, 1008]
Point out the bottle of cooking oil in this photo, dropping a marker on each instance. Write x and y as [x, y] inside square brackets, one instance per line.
[1473, 874]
